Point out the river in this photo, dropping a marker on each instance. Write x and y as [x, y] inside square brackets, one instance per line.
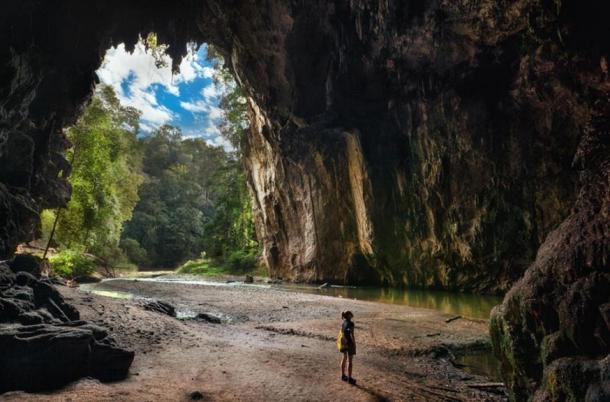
[469, 306]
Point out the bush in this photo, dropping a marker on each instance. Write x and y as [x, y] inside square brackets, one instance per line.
[242, 261]
[134, 252]
[72, 264]
[198, 267]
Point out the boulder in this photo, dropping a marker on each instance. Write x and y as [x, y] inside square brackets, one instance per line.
[7, 276]
[42, 357]
[26, 263]
[43, 344]
[211, 318]
[249, 279]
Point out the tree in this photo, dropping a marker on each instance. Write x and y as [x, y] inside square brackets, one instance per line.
[177, 198]
[106, 174]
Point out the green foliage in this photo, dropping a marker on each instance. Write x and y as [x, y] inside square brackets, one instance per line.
[242, 261]
[47, 217]
[72, 264]
[177, 198]
[233, 103]
[134, 251]
[202, 267]
[195, 197]
[106, 174]
[160, 200]
[157, 50]
[238, 262]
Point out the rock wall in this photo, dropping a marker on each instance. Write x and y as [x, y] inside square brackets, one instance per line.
[464, 128]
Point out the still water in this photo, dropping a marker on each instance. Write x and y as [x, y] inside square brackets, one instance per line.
[481, 363]
[453, 303]
[464, 304]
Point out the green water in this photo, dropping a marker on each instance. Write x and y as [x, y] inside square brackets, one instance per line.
[464, 304]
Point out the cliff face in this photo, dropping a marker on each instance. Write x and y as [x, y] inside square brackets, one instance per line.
[424, 143]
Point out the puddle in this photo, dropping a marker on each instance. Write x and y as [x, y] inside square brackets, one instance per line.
[115, 294]
[481, 363]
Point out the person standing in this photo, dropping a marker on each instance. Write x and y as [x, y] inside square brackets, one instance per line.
[346, 343]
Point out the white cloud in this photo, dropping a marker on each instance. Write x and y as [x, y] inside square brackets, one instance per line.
[211, 91]
[134, 77]
[203, 106]
[220, 142]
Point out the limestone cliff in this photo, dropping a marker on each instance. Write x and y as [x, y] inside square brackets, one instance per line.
[414, 143]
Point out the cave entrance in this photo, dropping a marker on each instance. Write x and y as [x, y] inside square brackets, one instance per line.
[157, 178]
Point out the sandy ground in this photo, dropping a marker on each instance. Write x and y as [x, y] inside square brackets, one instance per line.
[273, 346]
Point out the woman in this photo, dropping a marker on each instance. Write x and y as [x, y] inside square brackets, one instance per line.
[347, 346]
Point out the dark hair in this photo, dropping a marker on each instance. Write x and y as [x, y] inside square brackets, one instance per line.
[346, 315]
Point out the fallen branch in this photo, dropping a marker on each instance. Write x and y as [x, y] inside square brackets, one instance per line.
[457, 317]
[485, 385]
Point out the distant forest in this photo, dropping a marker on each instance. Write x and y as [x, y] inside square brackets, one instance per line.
[153, 201]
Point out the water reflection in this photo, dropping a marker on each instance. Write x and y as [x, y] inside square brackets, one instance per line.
[482, 363]
[464, 304]
[115, 294]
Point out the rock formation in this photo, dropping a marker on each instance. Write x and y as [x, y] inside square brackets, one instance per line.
[420, 143]
[43, 343]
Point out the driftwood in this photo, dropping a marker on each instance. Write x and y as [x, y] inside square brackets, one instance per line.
[457, 317]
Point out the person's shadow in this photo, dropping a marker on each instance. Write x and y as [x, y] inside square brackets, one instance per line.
[378, 397]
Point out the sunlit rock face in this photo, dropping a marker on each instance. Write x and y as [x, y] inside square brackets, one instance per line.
[422, 143]
[414, 143]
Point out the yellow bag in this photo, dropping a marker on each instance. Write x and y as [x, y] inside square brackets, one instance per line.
[341, 341]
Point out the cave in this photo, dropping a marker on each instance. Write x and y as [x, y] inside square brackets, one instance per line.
[449, 145]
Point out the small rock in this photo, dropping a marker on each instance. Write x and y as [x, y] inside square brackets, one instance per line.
[160, 307]
[249, 279]
[196, 396]
[209, 318]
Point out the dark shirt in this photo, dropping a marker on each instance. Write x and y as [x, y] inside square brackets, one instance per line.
[348, 331]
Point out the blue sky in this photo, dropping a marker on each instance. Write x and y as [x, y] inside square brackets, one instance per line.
[188, 100]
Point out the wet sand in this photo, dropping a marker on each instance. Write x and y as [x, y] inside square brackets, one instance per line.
[273, 345]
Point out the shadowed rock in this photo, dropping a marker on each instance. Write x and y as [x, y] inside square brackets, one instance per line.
[44, 345]
[160, 307]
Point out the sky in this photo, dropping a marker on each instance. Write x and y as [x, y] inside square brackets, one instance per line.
[188, 100]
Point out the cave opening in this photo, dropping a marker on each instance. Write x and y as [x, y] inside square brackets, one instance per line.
[156, 171]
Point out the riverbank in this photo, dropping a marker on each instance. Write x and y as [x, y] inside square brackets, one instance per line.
[273, 344]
